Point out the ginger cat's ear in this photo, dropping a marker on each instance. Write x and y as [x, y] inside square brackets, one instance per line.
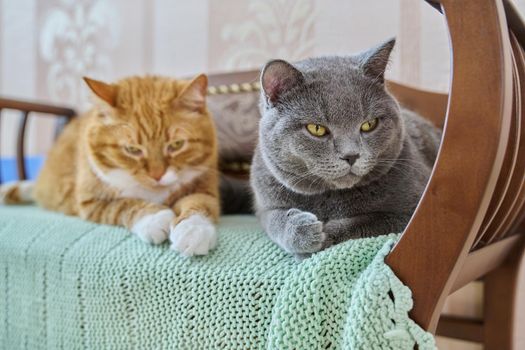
[106, 92]
[194, 95]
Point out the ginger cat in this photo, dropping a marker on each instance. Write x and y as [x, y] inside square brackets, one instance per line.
[145, 157]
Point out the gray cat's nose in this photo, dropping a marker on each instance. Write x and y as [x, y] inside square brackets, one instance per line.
[350, 158]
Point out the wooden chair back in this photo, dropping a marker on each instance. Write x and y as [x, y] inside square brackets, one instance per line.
[27, 110]
[467, 223]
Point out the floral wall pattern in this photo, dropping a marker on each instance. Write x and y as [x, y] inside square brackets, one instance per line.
[76, 38]
[261, 29]
[46, 46]
[51, 43]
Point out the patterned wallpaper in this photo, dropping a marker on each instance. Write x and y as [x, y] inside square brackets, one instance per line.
[47, 45]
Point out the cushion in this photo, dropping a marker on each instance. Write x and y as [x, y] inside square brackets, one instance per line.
[236, 114]
[236, 118]
[68, 283]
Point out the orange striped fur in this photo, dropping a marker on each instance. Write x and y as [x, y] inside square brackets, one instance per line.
[147, 145]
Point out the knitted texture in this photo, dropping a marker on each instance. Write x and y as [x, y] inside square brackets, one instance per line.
[70, 284]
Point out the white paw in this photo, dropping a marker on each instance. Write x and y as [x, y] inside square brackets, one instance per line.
[16, 192]
[195, 235]
[154, 228]
[25, 191]
[6, 191]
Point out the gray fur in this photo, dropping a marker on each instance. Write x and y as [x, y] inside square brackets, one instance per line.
[308, 198]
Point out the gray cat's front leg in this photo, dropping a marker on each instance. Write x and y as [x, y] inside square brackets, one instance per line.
[298, 232]
[368, 225]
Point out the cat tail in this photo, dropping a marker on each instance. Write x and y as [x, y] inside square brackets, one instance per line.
[236, 197]
[18, 192]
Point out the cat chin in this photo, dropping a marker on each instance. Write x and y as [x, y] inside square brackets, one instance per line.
[345, 182]
[169, 178]
[317, 184]
[150, 191]
[308, 187]
[322, 185]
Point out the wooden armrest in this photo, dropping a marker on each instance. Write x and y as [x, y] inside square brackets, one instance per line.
[26, 108]
[433, 247]
[29, 107]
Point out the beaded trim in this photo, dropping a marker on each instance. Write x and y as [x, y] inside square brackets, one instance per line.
[236, 167]
[234, 88]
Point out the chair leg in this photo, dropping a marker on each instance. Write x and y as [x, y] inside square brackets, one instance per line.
[504, 305]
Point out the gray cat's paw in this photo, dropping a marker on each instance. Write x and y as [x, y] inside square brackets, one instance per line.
[304, 231]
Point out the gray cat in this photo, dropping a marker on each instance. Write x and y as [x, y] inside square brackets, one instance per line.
[337, 158]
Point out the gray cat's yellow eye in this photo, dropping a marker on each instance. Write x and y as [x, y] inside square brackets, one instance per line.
[369, 125]
[316, 129]
[134, 151]
[175, 146]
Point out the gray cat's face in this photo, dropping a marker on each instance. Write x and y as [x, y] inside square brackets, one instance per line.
[328, 123]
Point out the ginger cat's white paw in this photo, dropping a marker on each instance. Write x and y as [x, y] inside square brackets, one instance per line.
[16, 192]
[195, 235]
[154, 228]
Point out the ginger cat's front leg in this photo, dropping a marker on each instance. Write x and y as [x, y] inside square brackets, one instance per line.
[149, 221]
[193, 231]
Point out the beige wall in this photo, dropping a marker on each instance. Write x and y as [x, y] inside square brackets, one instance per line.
[47, 45]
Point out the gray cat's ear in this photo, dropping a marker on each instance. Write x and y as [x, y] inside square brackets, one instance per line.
[375, 60]
[277, 77]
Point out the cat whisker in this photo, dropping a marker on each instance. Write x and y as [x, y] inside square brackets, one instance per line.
[404, 166]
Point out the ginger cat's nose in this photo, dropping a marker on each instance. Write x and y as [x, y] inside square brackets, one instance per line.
[157, 173]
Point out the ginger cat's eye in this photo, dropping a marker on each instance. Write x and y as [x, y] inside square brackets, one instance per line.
[369, 125]
[316, 130]
[175, 146]
[134, 151]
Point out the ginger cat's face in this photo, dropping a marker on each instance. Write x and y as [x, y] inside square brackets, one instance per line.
[153, 132]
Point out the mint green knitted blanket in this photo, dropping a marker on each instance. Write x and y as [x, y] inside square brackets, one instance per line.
[70, 284]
